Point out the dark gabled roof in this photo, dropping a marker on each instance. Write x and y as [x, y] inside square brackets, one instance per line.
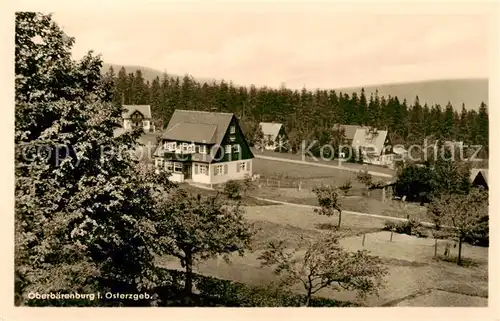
[198, 126]
[479, 171]
[145, 110]
[191, 132]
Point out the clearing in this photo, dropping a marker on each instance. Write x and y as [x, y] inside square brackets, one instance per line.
[416, 278]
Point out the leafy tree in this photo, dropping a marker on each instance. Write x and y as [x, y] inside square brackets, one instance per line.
[196, 228]
[464, 213]
[83, 211]
[325, 264]
[329, 201]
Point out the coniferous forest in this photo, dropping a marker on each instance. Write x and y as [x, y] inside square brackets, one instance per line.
[306, 114]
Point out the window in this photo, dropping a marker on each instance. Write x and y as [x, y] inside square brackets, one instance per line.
[203, 149]
[159, 162]
[185, 147]
[170, 147]
[191, 148]
[177, 167]
[218, 170]
[242, 166]
[204, 169]
[232, 139]
[228, 149]
[236, 148]
[232, 129]
[169, 166]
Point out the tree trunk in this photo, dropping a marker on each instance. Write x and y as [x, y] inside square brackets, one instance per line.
[308, 297]
[188, 287]
[459, 261]
[340, 219]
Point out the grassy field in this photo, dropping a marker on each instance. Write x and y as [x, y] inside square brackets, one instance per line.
[335, 162]
[414, 272]
[309, 176]
[245, 200]
[372, 204]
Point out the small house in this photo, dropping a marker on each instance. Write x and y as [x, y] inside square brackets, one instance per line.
[135, 116]
[374, 146]
[274, 136]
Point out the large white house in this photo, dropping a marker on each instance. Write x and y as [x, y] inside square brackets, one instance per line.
[137, 116]
[204, 147]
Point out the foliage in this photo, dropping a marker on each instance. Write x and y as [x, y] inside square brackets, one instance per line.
[248, 184]
[326, 265]
[226, 293]
[329, 201]
[422, 182]
[307, 115]
[84, 219]
[409, 227]
[232, 190]
[196, 228]
[466, 214]
[364, 178]
[346, 187]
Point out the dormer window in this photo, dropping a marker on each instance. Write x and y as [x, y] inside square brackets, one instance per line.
[232, 129]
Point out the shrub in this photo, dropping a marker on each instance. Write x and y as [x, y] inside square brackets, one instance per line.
[232, 190]
[409, 227]
[218, 292]
[346, 187]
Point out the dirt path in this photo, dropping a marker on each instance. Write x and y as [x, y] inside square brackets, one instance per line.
[343, 212]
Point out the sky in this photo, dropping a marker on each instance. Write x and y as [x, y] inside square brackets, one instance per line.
[321, 46]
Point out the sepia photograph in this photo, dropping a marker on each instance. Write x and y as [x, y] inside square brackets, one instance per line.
[252, 155]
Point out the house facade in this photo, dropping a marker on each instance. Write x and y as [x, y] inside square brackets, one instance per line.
[137, 116]
[274, 136]
[204, 147]
[374, 146]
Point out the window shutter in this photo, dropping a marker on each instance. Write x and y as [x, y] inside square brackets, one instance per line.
[215, 169]
[196, 168]
[225, 169]
[248, 166]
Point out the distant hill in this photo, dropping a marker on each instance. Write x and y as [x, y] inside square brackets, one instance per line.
[469, 91]
[148, 73]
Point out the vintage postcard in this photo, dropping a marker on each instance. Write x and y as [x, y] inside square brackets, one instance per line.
[240, 155]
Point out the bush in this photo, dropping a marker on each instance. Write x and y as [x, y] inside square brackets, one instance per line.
[346, 187]
[224, 293]
[409, 227]
[232, 190]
